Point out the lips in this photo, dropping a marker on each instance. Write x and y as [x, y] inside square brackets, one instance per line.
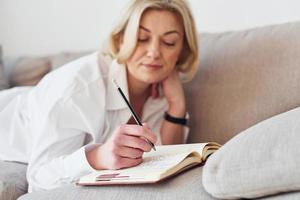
[153, 65]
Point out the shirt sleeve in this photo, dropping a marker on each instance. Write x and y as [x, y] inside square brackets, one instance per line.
[60, 129]
[58, 152]
[67, 111]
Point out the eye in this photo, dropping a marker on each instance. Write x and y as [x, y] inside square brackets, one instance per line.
[171, 44]
[143, 39]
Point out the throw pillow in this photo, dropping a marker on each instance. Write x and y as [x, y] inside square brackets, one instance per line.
[3, 81]
[262, 160]
[30, 70]
[60, 59]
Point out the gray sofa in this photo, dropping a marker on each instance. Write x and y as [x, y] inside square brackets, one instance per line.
[244, 78]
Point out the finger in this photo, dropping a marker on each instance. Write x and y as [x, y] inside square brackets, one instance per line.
[139, 131]
[134, 142]
[146, 125]
[128, 152]
[147, 128]
[129, 162]
[154, 90]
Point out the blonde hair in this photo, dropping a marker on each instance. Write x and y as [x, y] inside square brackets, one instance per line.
[126, 31]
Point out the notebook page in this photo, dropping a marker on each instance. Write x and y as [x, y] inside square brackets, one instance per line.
[165, 157]
[154, 163]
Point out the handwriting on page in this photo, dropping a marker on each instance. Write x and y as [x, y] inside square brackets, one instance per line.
[158, 162]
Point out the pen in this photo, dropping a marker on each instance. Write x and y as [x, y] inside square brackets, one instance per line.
[137, 120]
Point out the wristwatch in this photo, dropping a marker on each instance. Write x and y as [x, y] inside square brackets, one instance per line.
[176, 120]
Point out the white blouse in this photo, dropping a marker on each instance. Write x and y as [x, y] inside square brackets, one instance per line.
[52, 125]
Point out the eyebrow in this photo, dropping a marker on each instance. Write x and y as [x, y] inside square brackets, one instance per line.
[166, 33]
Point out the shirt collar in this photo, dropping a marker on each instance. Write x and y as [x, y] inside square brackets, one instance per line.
[113, 98]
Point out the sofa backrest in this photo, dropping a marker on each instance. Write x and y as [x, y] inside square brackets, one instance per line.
[244, 78]
[3, 80]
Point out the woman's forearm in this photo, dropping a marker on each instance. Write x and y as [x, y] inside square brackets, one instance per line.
[172, 133]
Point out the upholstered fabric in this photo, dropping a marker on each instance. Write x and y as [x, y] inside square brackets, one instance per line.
[185, 186]
[3, 80]
[29, 71]
[12, 180]
[260, 161]
[244, 77]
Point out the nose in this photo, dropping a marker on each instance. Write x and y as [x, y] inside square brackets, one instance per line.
[153, 50]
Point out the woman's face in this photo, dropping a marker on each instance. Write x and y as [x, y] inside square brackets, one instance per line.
[160, 41]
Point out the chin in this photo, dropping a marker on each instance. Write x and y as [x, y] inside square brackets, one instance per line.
[151, 80]
[155, 81]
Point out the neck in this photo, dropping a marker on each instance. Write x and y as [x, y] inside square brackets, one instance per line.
[138, 91]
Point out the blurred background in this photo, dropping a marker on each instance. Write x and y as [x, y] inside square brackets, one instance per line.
[40, 27]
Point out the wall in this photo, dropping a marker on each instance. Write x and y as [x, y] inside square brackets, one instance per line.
[38, 27]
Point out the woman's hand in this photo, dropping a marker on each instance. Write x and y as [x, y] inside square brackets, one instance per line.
[172, 133]
[173, 91]
[123, 149]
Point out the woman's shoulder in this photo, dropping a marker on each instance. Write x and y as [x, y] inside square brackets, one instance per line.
[76, 76]
[89, 68]
[86, 67]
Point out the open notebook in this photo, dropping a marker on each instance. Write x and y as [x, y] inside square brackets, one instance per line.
[166, 161]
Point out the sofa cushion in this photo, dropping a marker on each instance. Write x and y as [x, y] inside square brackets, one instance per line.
[3, 80]
[12, 180]
[262, 160]
[184, 186]
[244, 77]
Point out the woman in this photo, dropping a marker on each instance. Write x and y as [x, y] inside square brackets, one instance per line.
[74, 120]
